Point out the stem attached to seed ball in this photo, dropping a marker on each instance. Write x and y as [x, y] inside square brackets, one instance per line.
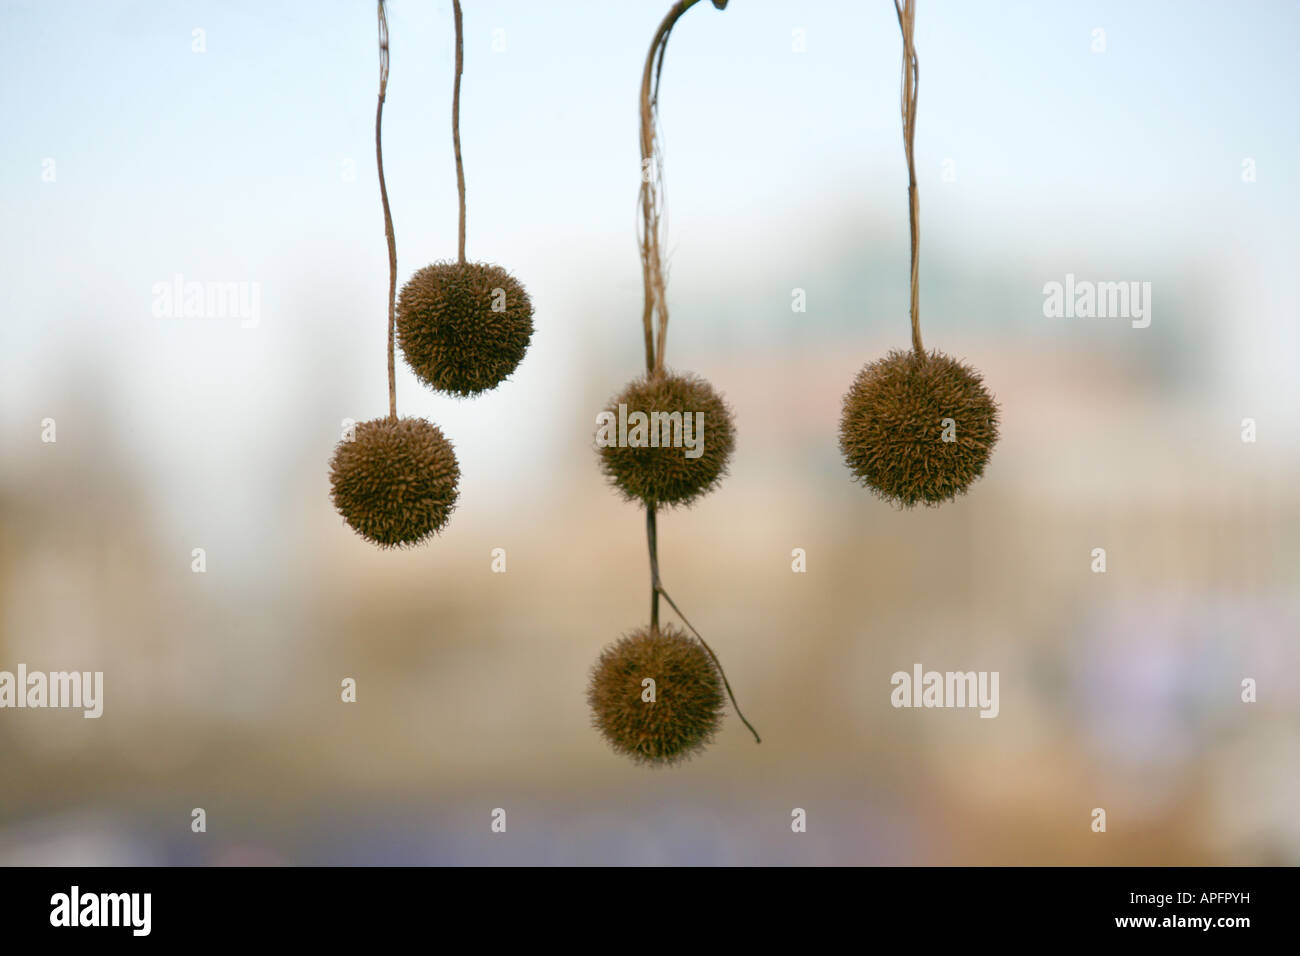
[656, 300]
[463, 326]
[911, 80]
[455, 124]
[916, 426]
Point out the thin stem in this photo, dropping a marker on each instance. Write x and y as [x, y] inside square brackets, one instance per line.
[652, 539]
[455, 123]
[726, 683]
[388, 215]
[652, 274]
[911, 80]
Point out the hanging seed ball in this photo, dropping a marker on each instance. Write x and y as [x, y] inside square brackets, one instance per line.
[687, 706]
[661, 456]
[463, 326]
[395, 482]
[918, 428]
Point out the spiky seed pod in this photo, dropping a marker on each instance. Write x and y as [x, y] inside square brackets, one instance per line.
[395, 482]
[687, 706]
[463, 326]
[664, 457]
[893, 434]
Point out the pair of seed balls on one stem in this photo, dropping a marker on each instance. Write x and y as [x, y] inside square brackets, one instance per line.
[667, 440]
[463, 328]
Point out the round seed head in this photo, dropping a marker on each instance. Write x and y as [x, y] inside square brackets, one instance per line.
[918, 428]
[463, 326]
[687, 706]
[395, 482]
[679, 438]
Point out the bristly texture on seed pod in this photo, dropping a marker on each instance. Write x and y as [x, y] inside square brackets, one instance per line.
[893, 432]
[463, 327]
[687, 706]
[666, 439]
[395, 482]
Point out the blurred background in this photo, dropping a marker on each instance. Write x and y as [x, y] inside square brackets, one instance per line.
[233, 142]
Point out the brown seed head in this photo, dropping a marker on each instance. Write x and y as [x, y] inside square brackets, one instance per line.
[395, 483]
[687, 708]
[892, 430]
[668, 474]
[463, 327]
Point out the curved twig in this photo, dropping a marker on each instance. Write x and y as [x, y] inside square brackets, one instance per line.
[726, 683]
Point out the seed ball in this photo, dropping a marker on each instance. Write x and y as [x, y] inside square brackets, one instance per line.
[463, 326]
[892, 430]
[686, 711]
[649, 466]
[395, 482]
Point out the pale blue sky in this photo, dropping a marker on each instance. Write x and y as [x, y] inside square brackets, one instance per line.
[782, 167]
